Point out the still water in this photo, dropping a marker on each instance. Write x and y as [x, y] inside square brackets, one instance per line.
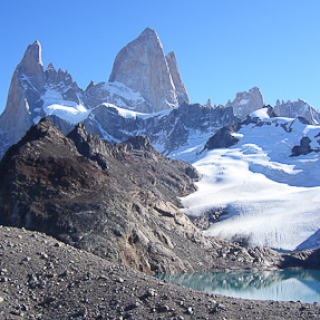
[288, 285]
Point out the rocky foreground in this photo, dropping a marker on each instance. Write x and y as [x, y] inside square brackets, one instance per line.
[42, 278]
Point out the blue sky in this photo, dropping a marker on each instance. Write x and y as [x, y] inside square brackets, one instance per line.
[222, 47]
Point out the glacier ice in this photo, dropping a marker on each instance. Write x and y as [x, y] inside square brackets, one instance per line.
[271, 199]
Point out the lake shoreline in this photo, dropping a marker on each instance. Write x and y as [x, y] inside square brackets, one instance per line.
[42, 278]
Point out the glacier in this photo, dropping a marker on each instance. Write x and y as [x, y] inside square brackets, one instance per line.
[268, 197]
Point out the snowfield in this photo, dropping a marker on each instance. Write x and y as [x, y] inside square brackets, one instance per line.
[271, 199]
[54, 104]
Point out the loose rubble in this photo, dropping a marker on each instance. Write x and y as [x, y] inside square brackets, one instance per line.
[62, 282]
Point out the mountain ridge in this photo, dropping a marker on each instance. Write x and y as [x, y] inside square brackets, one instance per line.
[186, 132]
[35, 93]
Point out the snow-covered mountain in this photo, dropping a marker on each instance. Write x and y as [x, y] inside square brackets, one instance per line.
[266, 191]
[259, 171]
[143, 79]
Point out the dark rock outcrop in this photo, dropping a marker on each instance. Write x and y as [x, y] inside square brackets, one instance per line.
[100, 197]
[224, 137]
[303, 149]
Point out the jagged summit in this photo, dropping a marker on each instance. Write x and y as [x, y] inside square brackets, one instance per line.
[143, 67]
[297, 108]
[50, 67]
[247, 102]
[181, 91]
[31, 65]
[149, 33]
[143, 79]
[32, 55]
[24, 94]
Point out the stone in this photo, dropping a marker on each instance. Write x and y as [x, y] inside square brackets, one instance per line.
[181, 91]
[151, 292]
[247, 102]
[223, 138]
[209, 103]
[298, 108]
[303, 149]
[142, 66]
[28, 85]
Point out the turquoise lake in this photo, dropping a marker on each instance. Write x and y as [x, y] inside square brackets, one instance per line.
[288, 285]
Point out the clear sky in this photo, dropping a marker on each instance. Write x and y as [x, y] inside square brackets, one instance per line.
[222, 46]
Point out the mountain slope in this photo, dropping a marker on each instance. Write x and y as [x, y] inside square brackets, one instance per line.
[267, 196]
[117, 201]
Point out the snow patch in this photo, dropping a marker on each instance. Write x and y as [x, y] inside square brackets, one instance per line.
[244, 102]
[54, 104]
[260, 113]
[126, 113]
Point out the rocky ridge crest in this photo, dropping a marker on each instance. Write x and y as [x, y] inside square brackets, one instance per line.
[35, 93]
[34, 90]
[298, 108]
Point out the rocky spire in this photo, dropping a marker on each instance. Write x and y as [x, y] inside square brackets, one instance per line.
[25, 90]
[246, 102]
[176, 77]
[142, 66]
[209, 103]
[31, 64]
[51, 73]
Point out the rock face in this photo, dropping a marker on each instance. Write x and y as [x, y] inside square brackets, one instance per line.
[25, 90]
[224, 137]
[298, 108]
[247, 102]
[168, 132]
[303, 149]
[143, 67]
[119, 202]
[181, 91]
[31, 90]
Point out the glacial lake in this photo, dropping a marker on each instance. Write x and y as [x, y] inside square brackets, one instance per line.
[288, 285]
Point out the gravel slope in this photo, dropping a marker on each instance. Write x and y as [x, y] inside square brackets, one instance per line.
[42, 278]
